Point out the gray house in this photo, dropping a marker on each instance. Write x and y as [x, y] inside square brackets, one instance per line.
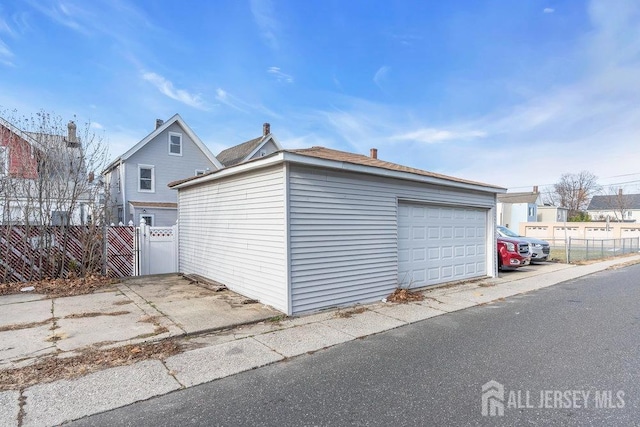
[258, 147]
[136, 181]
[303, 230]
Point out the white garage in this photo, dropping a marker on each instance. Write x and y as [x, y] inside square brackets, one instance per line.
[309, 229]
[438, 244]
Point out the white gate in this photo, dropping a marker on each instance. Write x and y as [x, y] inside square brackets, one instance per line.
[156, 250]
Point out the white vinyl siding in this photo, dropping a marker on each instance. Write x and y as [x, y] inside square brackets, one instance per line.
[344, 231]
[233, 231]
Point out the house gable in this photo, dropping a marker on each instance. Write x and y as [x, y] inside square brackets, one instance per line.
[172, 151]
[252, 149]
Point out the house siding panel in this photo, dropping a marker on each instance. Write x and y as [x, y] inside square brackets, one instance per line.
[168, 168]
[343, 229]
[233, 231]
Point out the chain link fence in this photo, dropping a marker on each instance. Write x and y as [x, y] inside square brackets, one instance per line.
[588, 249]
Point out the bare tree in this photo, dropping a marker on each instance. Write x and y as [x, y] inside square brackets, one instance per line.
[50, 193]
[573, 192]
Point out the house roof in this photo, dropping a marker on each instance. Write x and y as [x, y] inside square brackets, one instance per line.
[615, 201]
[175, 119]
[242, 152]
[337, 159]
[526, 197]
[238, 153]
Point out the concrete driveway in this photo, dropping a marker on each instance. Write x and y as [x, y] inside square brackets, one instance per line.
[137, 310]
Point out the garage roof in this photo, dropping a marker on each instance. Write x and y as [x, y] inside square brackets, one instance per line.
[335, 159]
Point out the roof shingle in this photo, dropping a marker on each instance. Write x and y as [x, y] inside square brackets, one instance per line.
[237, 153]
[614, 202]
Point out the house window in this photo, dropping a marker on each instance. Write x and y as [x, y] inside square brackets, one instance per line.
[175, 144]
[59, 218]
[532, 211]
[4, 161]
[148, 219]
[146, 181]
[120, 215]
[200, 172]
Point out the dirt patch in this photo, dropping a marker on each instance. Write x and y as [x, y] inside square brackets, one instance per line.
[60, 287]
[345, 314]
[624, 264]
[96, 314]
[91, 360]
[17, 326]
[123, 302]
[402, 295]
[486, 285]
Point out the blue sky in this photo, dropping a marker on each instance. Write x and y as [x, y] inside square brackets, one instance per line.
[512, 93]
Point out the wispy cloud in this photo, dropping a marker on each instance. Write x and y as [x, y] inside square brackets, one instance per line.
[5, 55]
[64, 13]
[264, 16]
[96, 125]
[548, 10]
[229, 100]
[381, 75]
[166, 88]
[434, 136]
[5, 28]
[279, 75]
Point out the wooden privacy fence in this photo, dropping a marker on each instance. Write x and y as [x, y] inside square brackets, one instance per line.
[38, 252]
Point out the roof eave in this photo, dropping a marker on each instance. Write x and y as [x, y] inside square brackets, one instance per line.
[285, 156]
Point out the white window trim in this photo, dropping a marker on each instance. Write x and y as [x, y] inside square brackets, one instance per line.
[169, 143]
[4, 152]
[152, 216]
[153, 178]
[200, 171]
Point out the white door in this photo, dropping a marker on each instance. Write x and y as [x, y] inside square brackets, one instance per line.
[438, 244]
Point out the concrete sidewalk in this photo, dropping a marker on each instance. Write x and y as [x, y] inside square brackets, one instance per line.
[242, 348]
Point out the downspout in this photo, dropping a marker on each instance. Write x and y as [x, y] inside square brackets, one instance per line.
[287, 239]
[124, 196]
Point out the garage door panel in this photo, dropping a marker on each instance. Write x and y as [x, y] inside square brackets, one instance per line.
[438, 244]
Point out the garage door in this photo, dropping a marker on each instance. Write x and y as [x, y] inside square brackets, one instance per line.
[438, 244]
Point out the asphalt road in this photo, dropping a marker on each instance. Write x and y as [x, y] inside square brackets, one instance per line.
[582, 336]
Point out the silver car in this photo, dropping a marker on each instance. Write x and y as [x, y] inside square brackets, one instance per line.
[539, 248]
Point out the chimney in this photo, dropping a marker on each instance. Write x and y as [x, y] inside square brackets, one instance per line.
[373, 153]
[266, 129]
[71, 127]
[619, 191]
[159, 122]
[535, 188]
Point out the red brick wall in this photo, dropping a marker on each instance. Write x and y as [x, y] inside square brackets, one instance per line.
[21, 163]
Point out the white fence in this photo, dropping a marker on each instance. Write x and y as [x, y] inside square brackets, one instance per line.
[155, 250]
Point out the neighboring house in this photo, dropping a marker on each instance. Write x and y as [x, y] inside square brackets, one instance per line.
[252, 149]
[303, 230]
[136, 182]
[549, 213]
[43, 178]
[514, 208]
[615, 207]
